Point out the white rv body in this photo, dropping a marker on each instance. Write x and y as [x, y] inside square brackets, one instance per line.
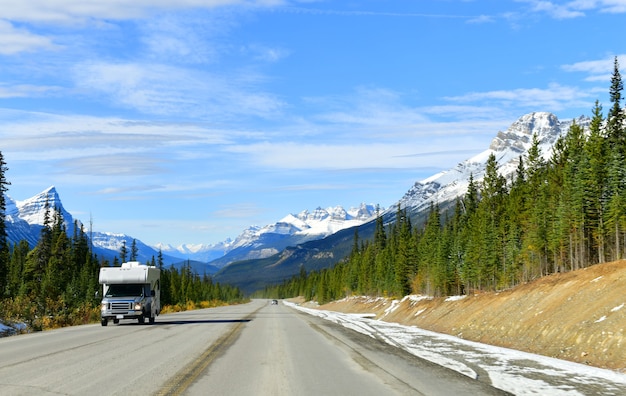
[132, 291]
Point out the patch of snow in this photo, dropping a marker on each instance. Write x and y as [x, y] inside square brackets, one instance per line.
[602, 319]
[617, 308]
[455, 298]
[394, 305]
[418, 298]
[419, 312]
[597, 279]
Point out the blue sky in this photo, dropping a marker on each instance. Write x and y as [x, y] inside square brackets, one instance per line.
[186, 121]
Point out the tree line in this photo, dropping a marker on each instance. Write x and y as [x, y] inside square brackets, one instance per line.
[55, 283]
[560, 214]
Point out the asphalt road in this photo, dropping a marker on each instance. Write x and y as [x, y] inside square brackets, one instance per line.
[252, 349]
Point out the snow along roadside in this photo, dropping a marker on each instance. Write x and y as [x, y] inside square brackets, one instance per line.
[517, 372]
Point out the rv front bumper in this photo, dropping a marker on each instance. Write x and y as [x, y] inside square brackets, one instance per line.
[121, 310]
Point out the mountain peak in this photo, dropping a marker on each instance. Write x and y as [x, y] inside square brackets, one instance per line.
[33, 209]
[508, 146]
[519, 135]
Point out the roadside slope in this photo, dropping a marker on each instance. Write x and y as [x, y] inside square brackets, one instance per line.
[578, 316]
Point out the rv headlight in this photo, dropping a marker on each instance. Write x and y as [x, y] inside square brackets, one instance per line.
[138, 306]
[104, 307]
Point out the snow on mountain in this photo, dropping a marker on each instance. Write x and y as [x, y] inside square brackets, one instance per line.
[309, 225]
[32, 210]
[260, 242]
[198, 252]
[25, 220]
[263, 241]
[507, 146]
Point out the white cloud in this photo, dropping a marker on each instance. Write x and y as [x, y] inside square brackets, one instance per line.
[25, 90]
[553, 98]
[597, 70]
[405, 155]
[558, 11]
[160, 89]
[83, 11]
[576, 8]
[14, 40]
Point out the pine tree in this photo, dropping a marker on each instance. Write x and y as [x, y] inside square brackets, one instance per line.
[4, 245]
[123, 252]
[134, 250]
[615, 118]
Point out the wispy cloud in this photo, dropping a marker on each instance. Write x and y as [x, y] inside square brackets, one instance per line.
[26, 90]
[319, 11]
[15, 40]
[161, 89]
[84, 11]
[597, 70]
[555, 97]
[298, 155]
[576, 8]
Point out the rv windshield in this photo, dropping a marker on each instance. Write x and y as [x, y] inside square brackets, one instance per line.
[125, 290]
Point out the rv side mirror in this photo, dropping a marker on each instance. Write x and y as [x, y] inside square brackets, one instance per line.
[152, 293]
[97, 294]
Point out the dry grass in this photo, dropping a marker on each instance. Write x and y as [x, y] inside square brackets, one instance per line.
[578, 316]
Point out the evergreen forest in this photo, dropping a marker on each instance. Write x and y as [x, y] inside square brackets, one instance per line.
[560, 214]
[55, 283]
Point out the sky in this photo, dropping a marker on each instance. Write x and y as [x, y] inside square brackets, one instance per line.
[187, 121]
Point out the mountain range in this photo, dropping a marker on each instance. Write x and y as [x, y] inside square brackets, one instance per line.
[25, 220]
[313, 240]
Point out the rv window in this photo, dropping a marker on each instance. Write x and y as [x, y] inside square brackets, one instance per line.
[125, 290]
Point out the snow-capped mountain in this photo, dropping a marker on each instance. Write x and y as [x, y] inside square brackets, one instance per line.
[507, 146]
[26, 218]
[198, 252]
[259, 242]
[309, 225]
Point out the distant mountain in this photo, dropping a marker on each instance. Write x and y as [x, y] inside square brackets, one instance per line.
[442, 188]
[261, 242]
[25, 220]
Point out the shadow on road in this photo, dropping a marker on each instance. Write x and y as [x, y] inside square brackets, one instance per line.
[185, 321]
[195, 321]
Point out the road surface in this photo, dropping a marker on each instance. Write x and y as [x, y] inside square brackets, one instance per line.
[251, 349]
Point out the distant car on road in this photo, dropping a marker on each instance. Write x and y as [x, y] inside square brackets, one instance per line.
[274, 302]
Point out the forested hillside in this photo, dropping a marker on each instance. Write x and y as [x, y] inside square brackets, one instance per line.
[55, 283]
[553, 216]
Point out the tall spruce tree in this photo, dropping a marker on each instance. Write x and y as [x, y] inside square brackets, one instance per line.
[4, 245]
[615, 118]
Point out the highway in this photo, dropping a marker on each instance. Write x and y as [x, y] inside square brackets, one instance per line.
[250, 349]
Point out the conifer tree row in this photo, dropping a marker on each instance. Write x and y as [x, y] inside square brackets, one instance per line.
[555, 215]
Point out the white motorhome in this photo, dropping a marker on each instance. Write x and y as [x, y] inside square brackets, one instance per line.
[132, 291]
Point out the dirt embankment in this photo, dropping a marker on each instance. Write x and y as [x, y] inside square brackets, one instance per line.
[578, 316]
